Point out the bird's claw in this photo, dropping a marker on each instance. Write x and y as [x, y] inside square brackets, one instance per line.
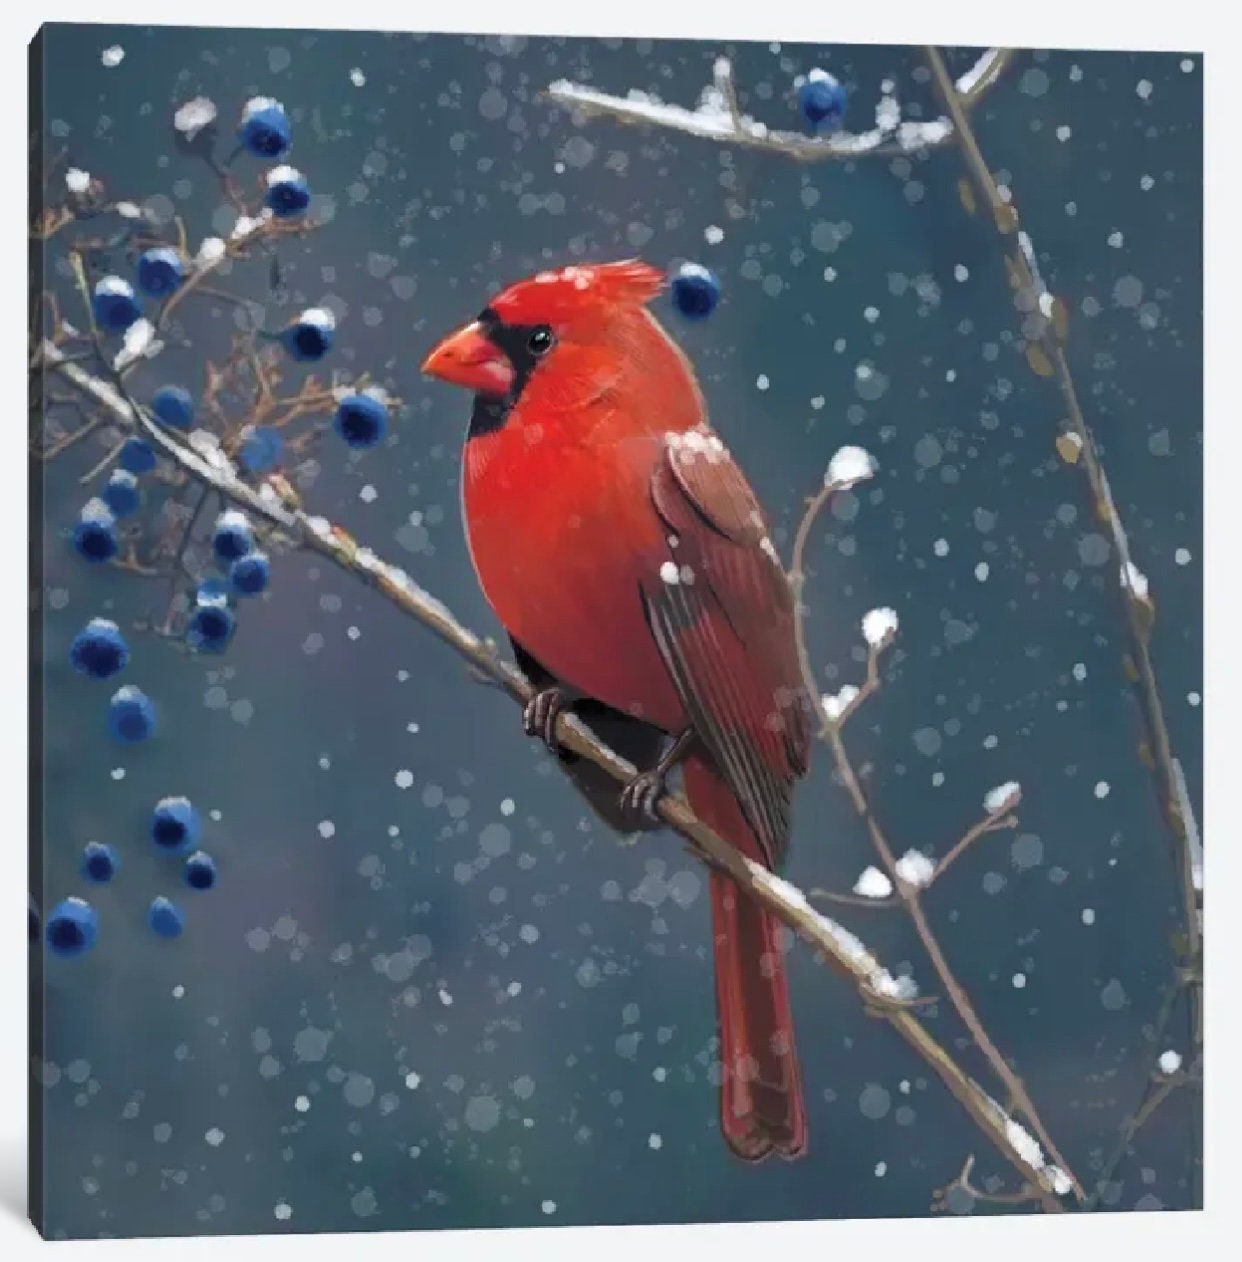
[541, 713]
[642, 794]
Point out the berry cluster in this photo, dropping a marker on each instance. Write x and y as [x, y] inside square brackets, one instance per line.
[175, 829]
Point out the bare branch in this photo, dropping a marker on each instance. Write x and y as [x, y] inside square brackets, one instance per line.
[1045, 327]
[989, 824]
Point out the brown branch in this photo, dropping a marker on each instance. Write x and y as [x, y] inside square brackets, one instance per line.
[989, 824]
[1136, 605]
[940, 1197]
[234, 247]
[62, 445]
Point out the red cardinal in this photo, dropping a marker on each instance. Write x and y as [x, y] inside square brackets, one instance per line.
[627, 557]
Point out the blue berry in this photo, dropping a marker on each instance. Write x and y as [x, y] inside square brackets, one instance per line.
[121, 494]
[232, 537]
[265, 130]
[72, 927]
[174, 406]
[137, 456]
[175, 825]
[288, 193]
[114, 305]
[160, 271]
[822, 100]
[95, 536]
[262, 448]
[249, 575]
[310, 336]
[696, 291]
[361, 419]
[99, 863]
[165, 918]
[99, 649]
[131, 715]
[200, 871]
[210, 628]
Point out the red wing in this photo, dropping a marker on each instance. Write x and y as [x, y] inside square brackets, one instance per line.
[722, 614]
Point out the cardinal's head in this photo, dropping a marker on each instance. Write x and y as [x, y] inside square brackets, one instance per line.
[559, 341]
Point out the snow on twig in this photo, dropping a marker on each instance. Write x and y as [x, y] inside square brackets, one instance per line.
[717, 117]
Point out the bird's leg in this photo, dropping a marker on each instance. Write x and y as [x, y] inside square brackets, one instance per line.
[542, 711]
[643, 792]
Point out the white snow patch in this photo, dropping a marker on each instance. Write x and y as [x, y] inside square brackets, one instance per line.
[95, 510]
[1002, 797]
[210, 252]
[848, 466]
[879, 626]
[872, 883]
[140, 343]
[835, 705]
[1170, 1062]
[319, 316]
[283, 175]
[1134, 580]
[194, 115]
[115, 285]
[915, 868]
[257, 103]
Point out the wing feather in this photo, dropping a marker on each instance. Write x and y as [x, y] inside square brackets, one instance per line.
[722, 615]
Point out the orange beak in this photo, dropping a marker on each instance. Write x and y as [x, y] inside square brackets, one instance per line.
[466, 358]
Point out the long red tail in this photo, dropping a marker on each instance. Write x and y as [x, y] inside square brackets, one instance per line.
[761, 1106]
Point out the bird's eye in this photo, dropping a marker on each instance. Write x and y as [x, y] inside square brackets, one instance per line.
[540, 341]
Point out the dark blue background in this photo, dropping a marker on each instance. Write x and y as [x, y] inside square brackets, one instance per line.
[581, 1012]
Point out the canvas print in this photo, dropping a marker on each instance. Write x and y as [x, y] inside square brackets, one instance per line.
[616, 631]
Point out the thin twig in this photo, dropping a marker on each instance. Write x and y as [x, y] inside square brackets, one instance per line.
[940, 1197]
[989, 824]
[70, 439]
[855, 900]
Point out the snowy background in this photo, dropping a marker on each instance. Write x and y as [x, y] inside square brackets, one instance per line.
[428, 992]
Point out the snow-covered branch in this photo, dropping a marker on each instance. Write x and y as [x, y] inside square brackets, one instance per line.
[885, 996]
[717, 116]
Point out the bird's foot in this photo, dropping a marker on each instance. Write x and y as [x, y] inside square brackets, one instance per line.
[643, 793]
[541, 713]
